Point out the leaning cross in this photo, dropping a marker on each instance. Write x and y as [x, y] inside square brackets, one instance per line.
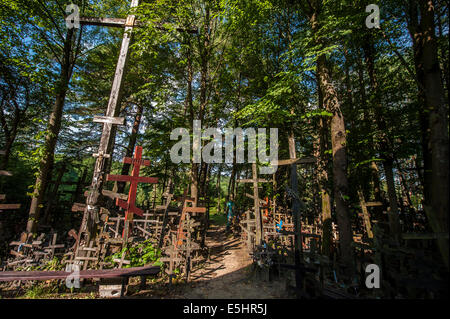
[134, 179]
[107, 137]
[112, 112]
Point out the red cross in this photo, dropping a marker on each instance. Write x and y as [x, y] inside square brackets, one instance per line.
[134, 179]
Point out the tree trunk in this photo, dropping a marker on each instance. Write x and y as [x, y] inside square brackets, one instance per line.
[322, 177]
[417, 38]
[131, 145]
[218, 189]
[51, 138]
[433, 119]
[385, 145]
[338, 142]
[340, 181]
[435, 103]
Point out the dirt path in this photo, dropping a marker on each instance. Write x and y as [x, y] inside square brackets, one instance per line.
[228, 273]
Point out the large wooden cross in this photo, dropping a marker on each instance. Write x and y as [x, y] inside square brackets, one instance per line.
[134, 179]
[258, 218]
[90, 216]
[111, 117]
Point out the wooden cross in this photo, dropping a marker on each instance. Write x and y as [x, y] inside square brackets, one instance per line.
[107, 137]
[259, 227]
[365, 212]
[134, 179]
[186, 209]
[110, 118]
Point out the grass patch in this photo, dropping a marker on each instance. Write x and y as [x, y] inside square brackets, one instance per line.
[217, 218]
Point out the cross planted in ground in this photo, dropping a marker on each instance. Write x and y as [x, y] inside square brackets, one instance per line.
[111, 116]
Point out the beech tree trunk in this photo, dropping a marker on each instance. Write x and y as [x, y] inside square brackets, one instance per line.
[340, 181]
[339, 149]
[322, 178]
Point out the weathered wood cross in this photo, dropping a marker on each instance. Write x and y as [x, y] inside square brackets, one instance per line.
[90, 217]
[258, 218]
[185, 211]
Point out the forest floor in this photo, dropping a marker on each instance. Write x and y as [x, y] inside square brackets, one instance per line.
[227, 274]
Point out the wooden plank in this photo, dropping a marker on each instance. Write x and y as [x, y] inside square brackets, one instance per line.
[195, 209]
[122, 22]
[87, 258]
[104, 22]
[109, 119]
[296, 213]
[103, 273]
[262, 201]
[259, 180]
[143, 230]
[101, 155]
[305, 160]
[134, 161]
[5, 173]
[107, 134]
[15, 253]
[78, 207]
[425, 236]
[9, 206]
[124, 261]
[366, 217]
[114, 195]
[369, 204]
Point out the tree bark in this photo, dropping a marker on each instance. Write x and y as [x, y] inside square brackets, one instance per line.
[424, 118]
[433, 119]
[340, 181]
[131, 145]
[339, 149]
[51, 138]
[322, 177]
[435, 103]
[385, 145]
